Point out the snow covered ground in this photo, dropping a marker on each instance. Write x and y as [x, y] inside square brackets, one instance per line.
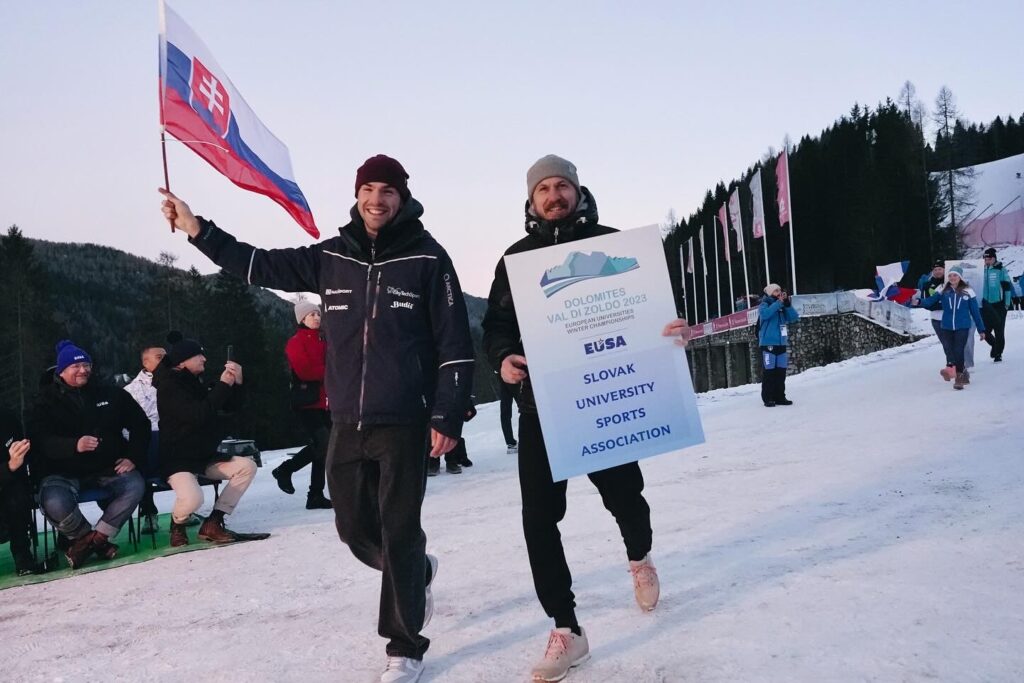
[874, 531]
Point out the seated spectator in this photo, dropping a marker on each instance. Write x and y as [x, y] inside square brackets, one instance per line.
[141, 389]
[78, 431]
[15, 494]
[190, 431]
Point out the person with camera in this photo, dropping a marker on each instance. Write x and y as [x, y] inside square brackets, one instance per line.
[775, 314]
[78, 432]
[15, 494]
[191, 428]
[307, 357]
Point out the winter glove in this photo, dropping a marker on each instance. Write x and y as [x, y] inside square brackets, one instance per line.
[1006, 286]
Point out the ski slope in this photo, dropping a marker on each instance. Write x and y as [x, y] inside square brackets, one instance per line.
[874, 531]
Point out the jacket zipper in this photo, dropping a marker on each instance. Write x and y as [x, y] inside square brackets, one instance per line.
[366, 333]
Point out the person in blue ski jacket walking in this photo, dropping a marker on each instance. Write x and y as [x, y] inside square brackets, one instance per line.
[959, 308]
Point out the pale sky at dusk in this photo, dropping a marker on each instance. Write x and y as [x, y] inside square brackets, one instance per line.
[655, 102]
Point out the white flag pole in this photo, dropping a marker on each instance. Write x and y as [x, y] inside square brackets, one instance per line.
[704, 273]
[732, 296]
[718, 279]
[693, 273]
[789, 203]
[682, 278]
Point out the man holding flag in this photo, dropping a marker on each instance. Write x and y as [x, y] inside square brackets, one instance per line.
[399, 353]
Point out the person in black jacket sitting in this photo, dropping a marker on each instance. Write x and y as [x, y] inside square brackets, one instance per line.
[77, 431]
[191, 430]
[15, 494]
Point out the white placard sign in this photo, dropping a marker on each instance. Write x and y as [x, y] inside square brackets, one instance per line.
[610, 389]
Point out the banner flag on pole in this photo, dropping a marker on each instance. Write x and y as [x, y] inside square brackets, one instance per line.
[703, 261]
[782, 177]
[689, 258]
[202, 109]
[725, 233]
[757, 193]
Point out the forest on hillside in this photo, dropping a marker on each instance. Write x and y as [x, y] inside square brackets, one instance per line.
[877, 186]
[114, 304]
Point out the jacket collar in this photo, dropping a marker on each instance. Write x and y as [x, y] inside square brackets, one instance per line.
[564, 229]
[405, 229]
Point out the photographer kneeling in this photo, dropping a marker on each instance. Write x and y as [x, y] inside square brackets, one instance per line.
[190, 431]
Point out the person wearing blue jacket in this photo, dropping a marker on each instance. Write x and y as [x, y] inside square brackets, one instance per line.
[959, 308]
[996, 296]
[775, 313]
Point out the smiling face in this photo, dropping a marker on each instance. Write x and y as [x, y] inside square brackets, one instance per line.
[954, 279]
[77, 374]
[378, 204]
[554, 198]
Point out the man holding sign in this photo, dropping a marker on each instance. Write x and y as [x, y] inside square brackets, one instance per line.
[560, 210]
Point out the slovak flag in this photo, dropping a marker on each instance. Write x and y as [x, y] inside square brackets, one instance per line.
[887, 279]
[200, 107]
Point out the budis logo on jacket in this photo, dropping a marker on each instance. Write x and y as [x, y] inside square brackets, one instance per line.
[578, 267]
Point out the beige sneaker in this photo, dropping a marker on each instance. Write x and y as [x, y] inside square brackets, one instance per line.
[646, 586]
[565, 650]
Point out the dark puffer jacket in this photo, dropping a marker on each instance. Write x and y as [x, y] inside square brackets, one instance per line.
[63, 414]
[399, 349]
[10, 431]
[501, 327]
[191, 426]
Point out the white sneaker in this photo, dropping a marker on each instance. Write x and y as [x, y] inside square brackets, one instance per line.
[428, 605]
[402, 670]
[646, 586]
[565, 650]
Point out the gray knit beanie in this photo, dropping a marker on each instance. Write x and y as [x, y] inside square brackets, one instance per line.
[549, 167]
[304, 308]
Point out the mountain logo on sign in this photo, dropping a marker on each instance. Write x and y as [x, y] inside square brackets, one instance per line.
[579, 267]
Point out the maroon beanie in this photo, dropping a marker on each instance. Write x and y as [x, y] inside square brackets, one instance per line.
[383, 169]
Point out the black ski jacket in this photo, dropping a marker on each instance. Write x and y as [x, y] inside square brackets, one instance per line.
[10, 431]
[191, 427]
[399, 349]
[501, 327]
[63, 414]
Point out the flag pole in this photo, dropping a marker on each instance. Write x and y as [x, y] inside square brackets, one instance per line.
[682, 278]
[704, 273]
[746, 279]
[767, 272]
[718, 279]
[728, 259]
[693, 272]
[789, 201]
[162, 48]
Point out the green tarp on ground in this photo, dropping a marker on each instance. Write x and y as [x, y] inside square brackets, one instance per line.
[126, 555]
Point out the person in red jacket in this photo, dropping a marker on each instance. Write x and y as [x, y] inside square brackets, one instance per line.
[307, 355]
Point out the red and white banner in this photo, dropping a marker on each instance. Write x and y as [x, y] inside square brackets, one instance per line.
[725, 234]
[200, 107]
[757, 197]
[782, 177]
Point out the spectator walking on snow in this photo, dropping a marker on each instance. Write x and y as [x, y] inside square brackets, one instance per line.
[307, 357]
[996, 293]
[959, 308]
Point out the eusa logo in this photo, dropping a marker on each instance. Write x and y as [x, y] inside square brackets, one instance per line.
[579, 267]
